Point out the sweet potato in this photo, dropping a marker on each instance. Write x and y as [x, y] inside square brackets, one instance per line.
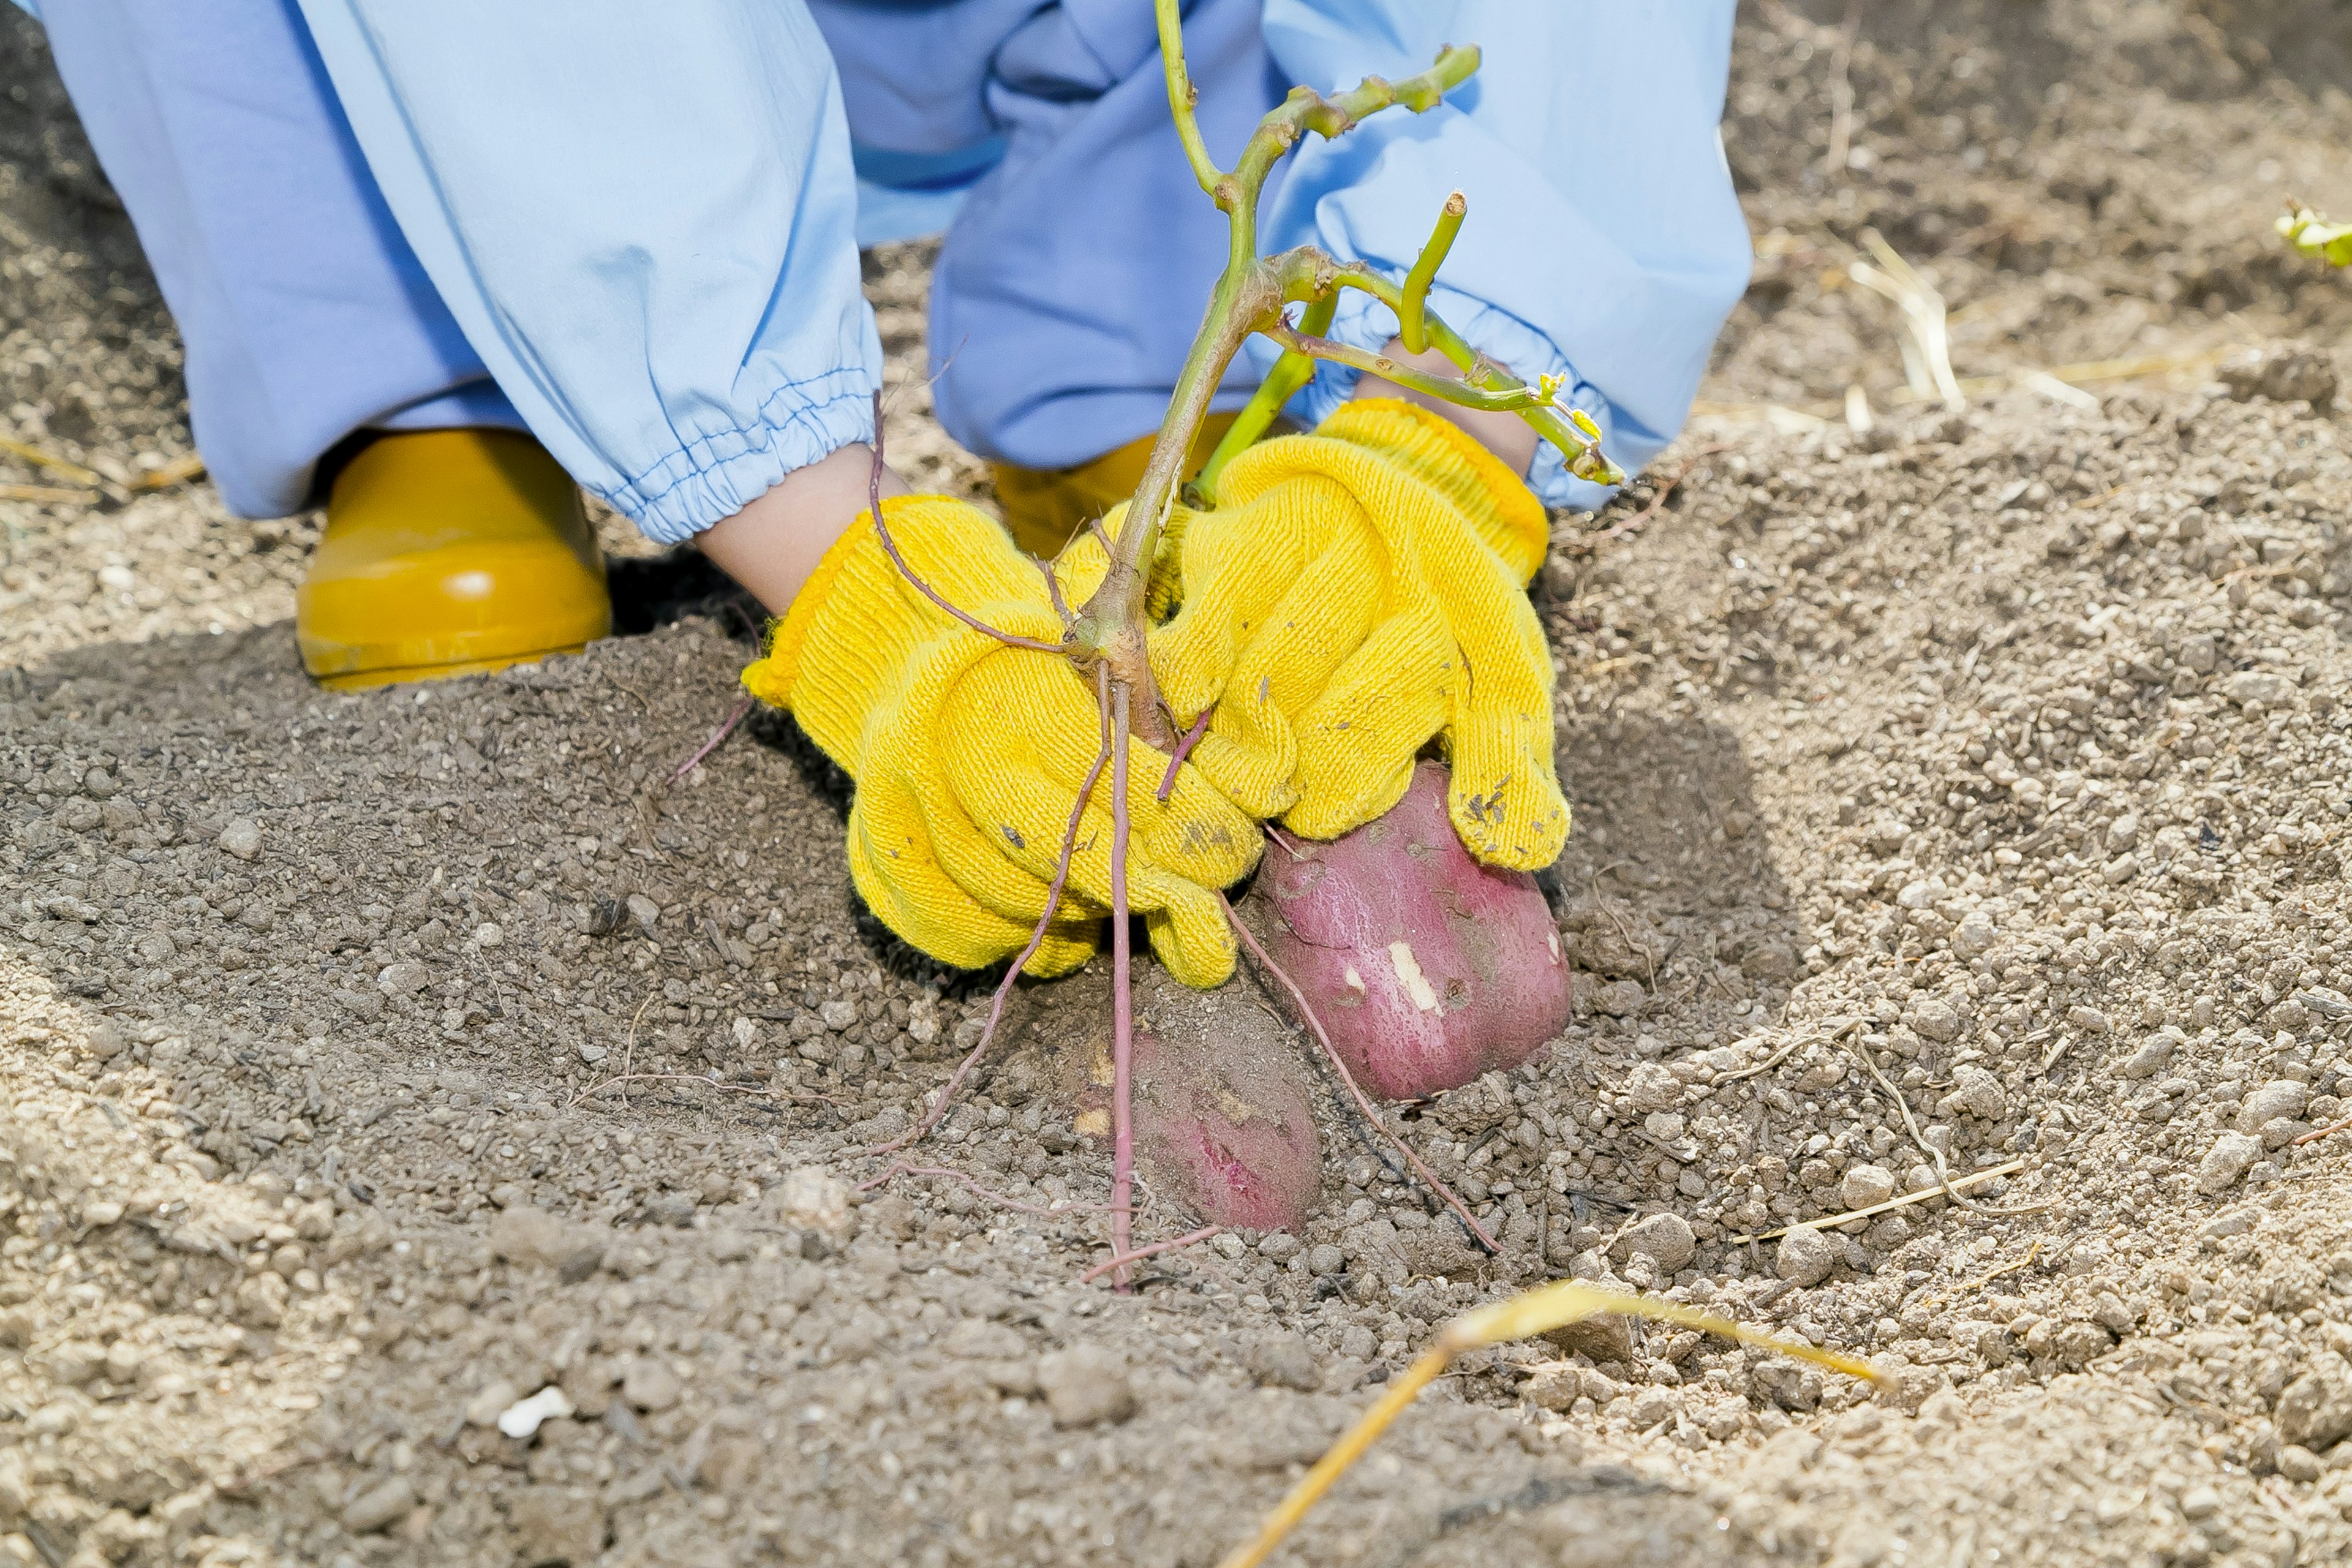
[1426, 967]
[1225, 1121]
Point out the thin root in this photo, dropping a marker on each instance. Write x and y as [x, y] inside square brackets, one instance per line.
[1154, 1250]
[1183, 749]
[718, 737]
[1036, 938]
[1956, 1184]
[890, 548]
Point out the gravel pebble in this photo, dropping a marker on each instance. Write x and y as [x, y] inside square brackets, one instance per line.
[1805, 1257]
[650, 1385]
[1086, 1385]
[379, 1505]
[1666, 1239]
[1866, 1185]
[2226, 1161]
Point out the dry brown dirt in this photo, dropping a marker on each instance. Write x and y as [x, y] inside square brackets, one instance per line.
[1966, 791]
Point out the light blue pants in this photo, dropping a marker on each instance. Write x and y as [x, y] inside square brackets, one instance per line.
[634, 229]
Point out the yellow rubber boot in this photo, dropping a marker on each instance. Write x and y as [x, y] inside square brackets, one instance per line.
[1044, 507]
[450, 553]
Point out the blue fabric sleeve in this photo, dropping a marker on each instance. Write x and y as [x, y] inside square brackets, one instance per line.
[1605, 243]
[647, 230]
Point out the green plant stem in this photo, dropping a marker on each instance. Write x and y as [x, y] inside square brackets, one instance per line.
[1291, 372]
[1309, 273]
[1316, 277]
[1520, 398]
[1109, 627]
[1410, 325]
[1182, 97]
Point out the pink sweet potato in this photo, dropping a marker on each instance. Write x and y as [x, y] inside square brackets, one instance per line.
[1426, 967]
[1225, 1121]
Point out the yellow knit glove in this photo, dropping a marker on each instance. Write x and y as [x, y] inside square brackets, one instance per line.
[968, 753]
[1357, 592]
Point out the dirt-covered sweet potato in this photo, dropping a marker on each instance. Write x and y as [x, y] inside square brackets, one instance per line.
[1224, 1119]
[1426, 967]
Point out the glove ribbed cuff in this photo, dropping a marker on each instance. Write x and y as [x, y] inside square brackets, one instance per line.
[1497, 502]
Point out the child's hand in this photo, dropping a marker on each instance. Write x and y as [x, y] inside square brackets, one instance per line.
[967, 752]
[1358, 592]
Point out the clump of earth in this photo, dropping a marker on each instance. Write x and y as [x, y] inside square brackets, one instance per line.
[437, 1134]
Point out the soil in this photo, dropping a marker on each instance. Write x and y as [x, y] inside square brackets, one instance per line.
[1964, 793]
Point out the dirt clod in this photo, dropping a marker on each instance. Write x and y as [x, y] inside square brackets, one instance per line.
[1086, 1385]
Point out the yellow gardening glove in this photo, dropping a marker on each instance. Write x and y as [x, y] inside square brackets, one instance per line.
[968, 755]
[1357, 592]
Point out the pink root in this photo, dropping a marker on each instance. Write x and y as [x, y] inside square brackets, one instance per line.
[1122, 1000]
[1036, 938]
[1155, 1249]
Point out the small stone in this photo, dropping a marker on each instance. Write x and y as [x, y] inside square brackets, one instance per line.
[1618, 998]
[123, 1361]
[650, 1385]
[1977, 1092]
[537, 1239]
[404, 978]
[489, 934]
[2200, 1502]
[1666, 1239]
[1805, 1257]
[241, 838]
[75, 1361]
[262, 1300]
[1278, 1247]
[556, 1524]
[488, 1403]
[2226, 1161]
[523, 1417]
[1326, 1258]
[2253, 689]
[593, 1054]
[2279, 1098]
[2153, 1053]
[1086, 1385]
[2090, 1020]
[814, 1198]
[838, 1014]
[1285, 1361]
[1649, 1086]
[98, 784]
[1866, 1185]
[379, 1505]
[643, 909]
[1937, 1021]
[97, 1216]
[1974, 935]
[2315, 1411]
[2297, 1463]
